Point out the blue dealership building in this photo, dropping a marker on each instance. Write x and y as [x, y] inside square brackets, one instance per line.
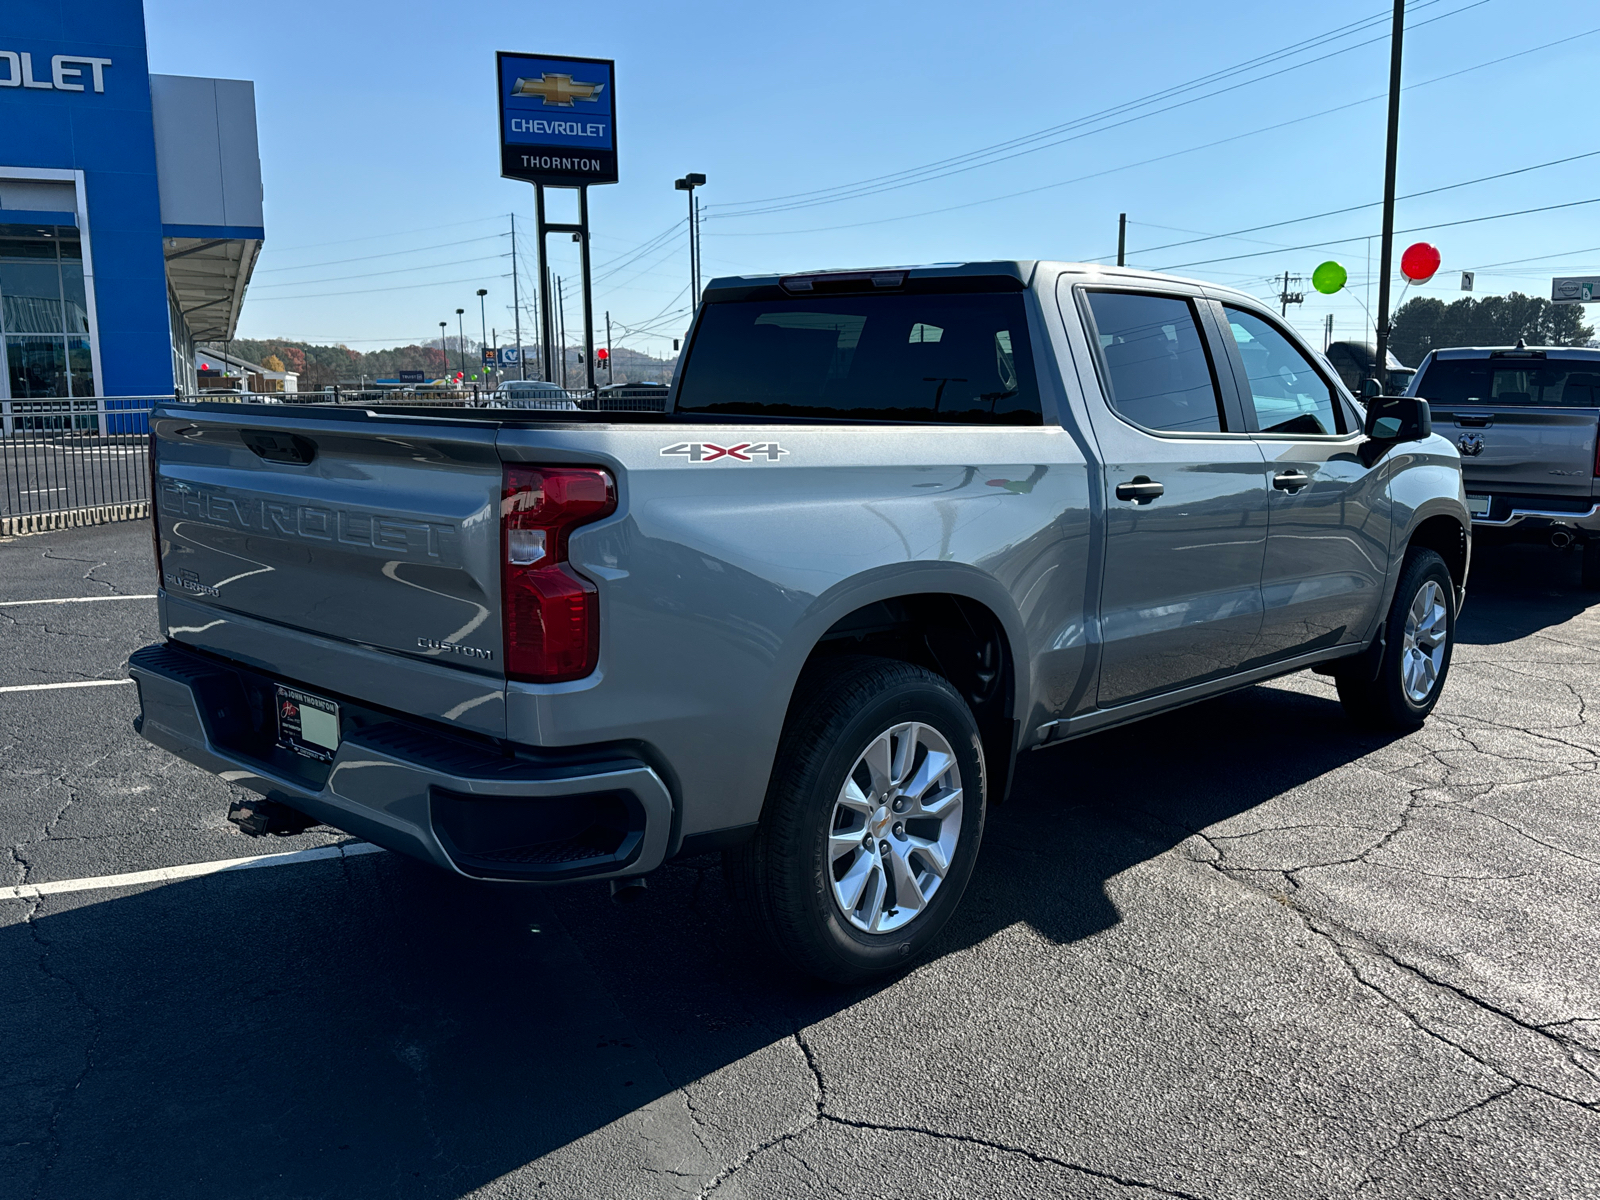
[130, 205]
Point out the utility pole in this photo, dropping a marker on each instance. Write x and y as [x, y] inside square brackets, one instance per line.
[1327, 333]
[516, 303]
[1286, 297]
[1122, 239]
[1390, 157]
[561, 326]
[610, 378]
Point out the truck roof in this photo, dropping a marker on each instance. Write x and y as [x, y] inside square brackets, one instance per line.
[996, 275]
[1577, 352]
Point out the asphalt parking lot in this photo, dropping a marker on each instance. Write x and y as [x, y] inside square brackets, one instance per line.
[1239, 951]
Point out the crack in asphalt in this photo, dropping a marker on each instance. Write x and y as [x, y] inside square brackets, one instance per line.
[1370, 1179]
[58, 1106]
[821, 1115]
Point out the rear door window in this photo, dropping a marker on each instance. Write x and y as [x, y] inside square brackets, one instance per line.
[1157, 372]
[956, 358]
[1553, 383]
[1287, 392]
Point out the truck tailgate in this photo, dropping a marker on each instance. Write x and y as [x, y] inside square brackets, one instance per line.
[1530, 451]
[358, 556]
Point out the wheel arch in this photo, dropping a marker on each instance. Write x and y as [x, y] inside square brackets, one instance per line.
[950, 618]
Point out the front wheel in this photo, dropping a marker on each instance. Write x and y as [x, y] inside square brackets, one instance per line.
[1420, 633]
[871, 824]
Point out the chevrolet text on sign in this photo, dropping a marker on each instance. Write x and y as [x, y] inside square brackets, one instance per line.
[557, 119]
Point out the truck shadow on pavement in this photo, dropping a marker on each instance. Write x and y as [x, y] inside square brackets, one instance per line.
[373, 1027]
[1516, 591]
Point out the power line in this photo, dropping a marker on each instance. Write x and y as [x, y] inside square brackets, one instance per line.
[459, 262]
[1160, 157]
[1114, 110]
[334, 262]
[1521, 212]
[375, 236]
[1334, 212]
[403, 287]
[994, 155]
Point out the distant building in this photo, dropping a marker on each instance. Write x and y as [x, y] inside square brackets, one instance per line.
[130, 206]
[219, 369]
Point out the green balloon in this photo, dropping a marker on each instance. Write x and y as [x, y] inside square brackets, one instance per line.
[1329, 277]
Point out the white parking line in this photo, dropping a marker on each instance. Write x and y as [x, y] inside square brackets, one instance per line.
[72, 600]
[33, 891]
[52, 687]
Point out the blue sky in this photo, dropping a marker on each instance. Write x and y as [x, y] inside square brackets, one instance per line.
[386, 212]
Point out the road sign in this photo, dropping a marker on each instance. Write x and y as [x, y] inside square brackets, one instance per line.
[557, 119]
[412, 376]
[1466, 280]
[488, 356]
[510, 356]
[1575, 289]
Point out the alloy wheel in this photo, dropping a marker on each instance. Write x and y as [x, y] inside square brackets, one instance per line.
[895, 826]
[1423, 646]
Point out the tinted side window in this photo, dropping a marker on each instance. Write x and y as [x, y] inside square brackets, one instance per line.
[958, 358]
[1158, 374]
[1563, 383]
[1288, 394]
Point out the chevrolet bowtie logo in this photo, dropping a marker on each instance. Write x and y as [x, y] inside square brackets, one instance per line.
[559, 91]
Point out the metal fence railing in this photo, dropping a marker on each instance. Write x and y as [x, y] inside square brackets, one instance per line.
[67, 462]
[73, 462]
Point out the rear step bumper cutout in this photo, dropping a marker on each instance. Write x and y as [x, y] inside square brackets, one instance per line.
[400, 786]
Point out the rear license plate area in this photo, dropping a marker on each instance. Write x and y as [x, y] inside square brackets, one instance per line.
[1478, 506]
[307, 724]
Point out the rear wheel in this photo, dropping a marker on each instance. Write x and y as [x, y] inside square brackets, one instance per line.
[1420, 634]
[1591, 565]
[871, 824]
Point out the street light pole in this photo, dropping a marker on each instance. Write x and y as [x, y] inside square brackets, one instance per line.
[461, 346]
[688, 184]
[444, 347]
[1391, 154]
[483, 331]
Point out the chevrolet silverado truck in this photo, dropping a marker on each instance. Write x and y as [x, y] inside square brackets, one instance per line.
[893, 528]
[1525, 421]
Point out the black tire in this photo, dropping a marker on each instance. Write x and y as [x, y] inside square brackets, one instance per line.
[1591, 566]
[785, 876]
[1384, 702]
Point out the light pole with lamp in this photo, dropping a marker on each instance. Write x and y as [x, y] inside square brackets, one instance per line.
[483, 321]
[461, 347]
[688, 184]
[444, 348]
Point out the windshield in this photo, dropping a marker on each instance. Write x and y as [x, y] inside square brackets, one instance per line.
[960, 358]
[1555, 383]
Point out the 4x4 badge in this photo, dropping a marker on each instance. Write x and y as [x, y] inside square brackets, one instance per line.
[705, 452]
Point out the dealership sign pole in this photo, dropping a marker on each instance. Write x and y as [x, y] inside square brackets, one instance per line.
[558, 129]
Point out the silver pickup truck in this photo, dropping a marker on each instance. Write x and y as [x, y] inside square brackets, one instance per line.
[1525, 421]
[894, 528]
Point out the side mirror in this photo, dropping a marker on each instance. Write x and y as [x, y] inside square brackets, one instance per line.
[1398, 419]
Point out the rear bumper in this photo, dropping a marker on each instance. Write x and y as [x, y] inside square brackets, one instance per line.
[1537, 523]
[467, 807]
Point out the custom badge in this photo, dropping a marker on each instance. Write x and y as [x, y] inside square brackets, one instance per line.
[708, 452]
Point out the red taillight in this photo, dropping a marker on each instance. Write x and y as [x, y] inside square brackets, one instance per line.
[551, 614]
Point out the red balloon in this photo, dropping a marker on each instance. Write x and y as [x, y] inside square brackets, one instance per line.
[1419, 262]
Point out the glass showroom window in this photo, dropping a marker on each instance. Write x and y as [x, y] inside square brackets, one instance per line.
[44, 315]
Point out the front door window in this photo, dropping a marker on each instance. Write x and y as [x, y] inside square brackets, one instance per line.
[1288, 393]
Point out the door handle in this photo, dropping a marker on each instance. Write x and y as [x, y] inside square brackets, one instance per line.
[1290, 481]
[1141, 490]
[1474, 422]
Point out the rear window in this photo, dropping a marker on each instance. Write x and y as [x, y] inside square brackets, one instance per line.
[1554, 383]
[956, 358]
